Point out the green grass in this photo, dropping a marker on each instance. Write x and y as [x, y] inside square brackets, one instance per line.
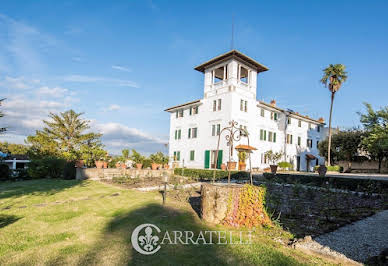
[80, 223]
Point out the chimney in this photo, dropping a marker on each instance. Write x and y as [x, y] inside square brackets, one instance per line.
[273, 103]
[321, 119]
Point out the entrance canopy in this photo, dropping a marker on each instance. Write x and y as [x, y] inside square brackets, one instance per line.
[309, 156]
[245, 148]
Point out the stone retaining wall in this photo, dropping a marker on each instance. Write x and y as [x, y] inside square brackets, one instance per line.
[109, 173]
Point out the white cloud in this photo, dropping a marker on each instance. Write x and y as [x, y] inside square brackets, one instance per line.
[76, 59]
[94, 79]
[114, 107]
[55, 92]
[14, 83]
[121, 68]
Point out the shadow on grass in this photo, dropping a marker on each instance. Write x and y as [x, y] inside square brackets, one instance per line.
[8, 219]
[41, 187]
[115, 247]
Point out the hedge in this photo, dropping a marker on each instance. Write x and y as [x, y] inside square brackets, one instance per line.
[353, 184]
[332, 168]
[207, 175]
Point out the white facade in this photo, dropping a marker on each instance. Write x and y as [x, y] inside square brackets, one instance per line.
[230, 85]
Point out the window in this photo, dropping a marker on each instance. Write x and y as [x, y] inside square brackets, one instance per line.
[274, 137]
[299, 141]
[192, 134]
[309, 143]
[274, 116]
[178, 134]
[263, 134]
[264, 159]
[317, 143]
[179, 113]
[216, 129]
[176, 113]
[243, 105]
[192, 153]
[319, 128]
[289, 120]
[220, 74]
[309, 126]
[215, 105]
[289, 139]
[299, 123]
[262, 112]
[194, 110]
[270, 136]
[177, 155]
[244, 74]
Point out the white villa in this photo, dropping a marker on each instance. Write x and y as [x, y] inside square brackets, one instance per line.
[230, 85]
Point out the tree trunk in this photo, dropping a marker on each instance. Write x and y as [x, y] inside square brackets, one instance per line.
[380, 161]
[329, 144]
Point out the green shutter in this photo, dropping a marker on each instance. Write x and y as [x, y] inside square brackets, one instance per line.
[219, 159]
[261, 134]
[174, 155]
[176, 134]
[178, 155]
[191, 110]
[274, 137]
[191, 155]
[179, 134]
[176, 114]
[189, 133]
[207, 159]
[265, 134]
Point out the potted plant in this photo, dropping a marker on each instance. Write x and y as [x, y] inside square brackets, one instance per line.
[99, 164]
[79, 164]
[242, 156]
[138, 159]
[165, 162]
[156, 160]
[273, 158]
[231, 165]
[322, 169]
[118, 164]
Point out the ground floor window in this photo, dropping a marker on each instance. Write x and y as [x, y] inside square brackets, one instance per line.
[177, 155]
[192, 153]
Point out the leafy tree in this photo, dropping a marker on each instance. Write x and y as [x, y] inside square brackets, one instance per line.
[375, 141]
[137, 157]
[345, 145]
[65, 136]
[6, 147]
[333, 77]
[157, 158]
[2, 129]
[125, 154]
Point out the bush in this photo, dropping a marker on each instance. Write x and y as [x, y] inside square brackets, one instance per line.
[4, 172]
[362, 185]
[21, 174]
[49, 167]
[69, 170]
[207, 175]
[285, 165]
[332, 168]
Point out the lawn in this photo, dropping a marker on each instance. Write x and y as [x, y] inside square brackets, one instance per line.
[87, 222]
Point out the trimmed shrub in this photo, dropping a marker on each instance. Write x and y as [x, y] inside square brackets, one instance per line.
[332, 168]
[49, 167]
[4, 172]
[207, 175]
[285, 165]
[21, 174]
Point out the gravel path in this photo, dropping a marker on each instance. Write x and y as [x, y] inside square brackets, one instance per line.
[360, 240]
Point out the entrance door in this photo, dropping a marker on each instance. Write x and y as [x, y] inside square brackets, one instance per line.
[210, 159]
[297, 163]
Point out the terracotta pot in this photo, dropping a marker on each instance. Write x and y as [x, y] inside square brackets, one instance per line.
[166, 166]
[139, 165]
[322, 169]
[223, 167]
[79, 163]
[242, 166]
[232, 165]
[274, 168]
[118, 165]
[105, 164]
[99, 164]
[123, 166]
[154, 166]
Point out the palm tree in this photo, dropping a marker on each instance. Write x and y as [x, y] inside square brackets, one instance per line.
[333, 77]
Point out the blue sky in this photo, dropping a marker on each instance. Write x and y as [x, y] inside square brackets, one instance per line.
[124, 62]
